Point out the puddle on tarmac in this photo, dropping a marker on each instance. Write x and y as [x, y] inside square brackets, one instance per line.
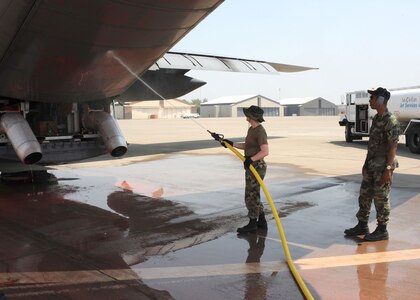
[144, 209]
[207, 184]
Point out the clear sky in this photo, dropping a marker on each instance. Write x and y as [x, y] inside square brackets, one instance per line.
[356, 45]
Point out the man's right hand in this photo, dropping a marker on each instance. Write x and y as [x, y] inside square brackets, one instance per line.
[227, 141]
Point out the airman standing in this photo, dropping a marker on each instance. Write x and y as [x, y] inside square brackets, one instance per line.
[378, 169]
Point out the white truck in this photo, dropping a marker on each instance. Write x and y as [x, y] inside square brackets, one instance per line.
[404, 104]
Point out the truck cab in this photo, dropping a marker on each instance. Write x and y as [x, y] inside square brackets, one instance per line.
[358, 115]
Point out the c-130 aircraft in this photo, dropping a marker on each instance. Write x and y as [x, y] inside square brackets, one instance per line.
[64, 62]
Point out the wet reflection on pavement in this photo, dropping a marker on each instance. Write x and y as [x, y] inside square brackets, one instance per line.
[372, 278]
[256, 284]
[53, 246]
[88, 235]
[158, 229]
[43, 232]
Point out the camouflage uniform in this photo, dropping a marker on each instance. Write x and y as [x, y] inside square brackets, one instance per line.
[252, 189]
[255, 138]
[254, 141]
[384, 130]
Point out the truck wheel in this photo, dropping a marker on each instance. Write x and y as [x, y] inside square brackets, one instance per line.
[348, 135]
[414, 140]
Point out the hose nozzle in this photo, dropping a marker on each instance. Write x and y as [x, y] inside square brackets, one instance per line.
[218, 137]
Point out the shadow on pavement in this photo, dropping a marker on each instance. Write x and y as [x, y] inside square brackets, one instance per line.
[402, 149]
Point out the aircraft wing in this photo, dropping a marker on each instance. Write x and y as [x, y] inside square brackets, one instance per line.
[187, 61]
[166, 77]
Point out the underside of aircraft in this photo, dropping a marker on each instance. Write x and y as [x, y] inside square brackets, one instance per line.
[64, 63]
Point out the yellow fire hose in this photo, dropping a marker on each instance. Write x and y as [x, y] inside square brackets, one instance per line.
[289, 260]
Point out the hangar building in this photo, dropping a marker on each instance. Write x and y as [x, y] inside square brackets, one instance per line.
[153, 109]
[309, 106]
[231, 106]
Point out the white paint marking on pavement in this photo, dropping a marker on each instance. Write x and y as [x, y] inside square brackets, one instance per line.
[357, 259]
[73, 277]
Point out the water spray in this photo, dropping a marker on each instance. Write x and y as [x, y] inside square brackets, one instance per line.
[146, 84]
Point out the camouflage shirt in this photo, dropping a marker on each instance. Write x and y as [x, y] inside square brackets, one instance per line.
[384, 130]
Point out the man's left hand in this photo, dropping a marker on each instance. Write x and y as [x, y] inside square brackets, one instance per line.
[386, 177]
[247, 162]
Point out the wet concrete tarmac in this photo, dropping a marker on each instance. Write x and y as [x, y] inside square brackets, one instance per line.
[165, 228]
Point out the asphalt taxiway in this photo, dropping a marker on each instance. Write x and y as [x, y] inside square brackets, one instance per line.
[161, 222]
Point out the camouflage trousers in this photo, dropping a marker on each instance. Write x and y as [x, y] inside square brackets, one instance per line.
[252, 189]
[371, 189]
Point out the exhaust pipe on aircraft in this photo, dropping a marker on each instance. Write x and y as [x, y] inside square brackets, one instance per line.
[107, 126]
[21, 136]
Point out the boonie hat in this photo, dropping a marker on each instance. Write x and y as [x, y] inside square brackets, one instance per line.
[380, 92]
[255, 113]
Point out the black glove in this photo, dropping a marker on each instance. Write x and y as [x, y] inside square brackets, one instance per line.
[247, 162]
[227, 141]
